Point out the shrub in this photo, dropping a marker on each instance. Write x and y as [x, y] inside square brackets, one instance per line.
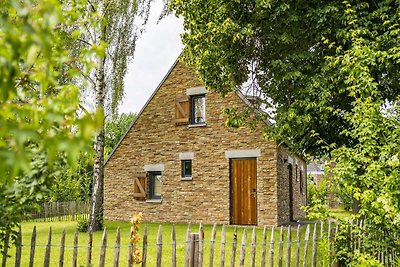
[83, 225]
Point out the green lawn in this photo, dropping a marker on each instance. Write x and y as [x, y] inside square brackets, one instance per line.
[42, 229]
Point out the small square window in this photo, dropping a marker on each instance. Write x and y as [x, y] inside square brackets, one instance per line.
[186, 168]
[198, 109]
[154, 185]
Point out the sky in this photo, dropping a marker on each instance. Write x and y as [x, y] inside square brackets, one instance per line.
[156, 51]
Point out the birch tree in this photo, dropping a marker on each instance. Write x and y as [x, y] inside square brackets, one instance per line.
[116, 31]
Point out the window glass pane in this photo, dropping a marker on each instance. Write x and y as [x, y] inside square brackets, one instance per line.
[199, 109]
[157, 185]
[186, 168]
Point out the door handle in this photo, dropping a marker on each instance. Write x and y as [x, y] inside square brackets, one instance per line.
[254, 193]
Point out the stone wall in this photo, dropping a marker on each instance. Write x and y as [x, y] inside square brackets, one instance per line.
[288, 160]
[155, 139]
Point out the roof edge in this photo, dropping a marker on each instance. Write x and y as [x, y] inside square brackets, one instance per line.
[142, 110]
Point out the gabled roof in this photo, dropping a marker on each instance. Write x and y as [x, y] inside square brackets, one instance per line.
[238, 92]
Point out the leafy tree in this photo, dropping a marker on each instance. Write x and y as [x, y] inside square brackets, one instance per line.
[115, 31]
[115, 129]
[284, 50]
[329, 68]
[39, 120]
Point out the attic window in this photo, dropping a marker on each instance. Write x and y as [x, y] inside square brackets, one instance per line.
[198, 109]
[190, 110]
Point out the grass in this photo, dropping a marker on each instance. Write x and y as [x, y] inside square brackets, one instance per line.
[340, 214]
[42, 230]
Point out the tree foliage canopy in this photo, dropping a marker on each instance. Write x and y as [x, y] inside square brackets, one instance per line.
[331, 69]
[290, 51]
[39, 120]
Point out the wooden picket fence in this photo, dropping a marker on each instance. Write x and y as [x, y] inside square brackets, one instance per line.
[284, 246]
[60, 211]
[302, 245]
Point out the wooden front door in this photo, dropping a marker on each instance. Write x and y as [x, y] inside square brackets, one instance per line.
[244, 191]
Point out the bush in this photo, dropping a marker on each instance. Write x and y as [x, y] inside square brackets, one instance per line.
[83, 225]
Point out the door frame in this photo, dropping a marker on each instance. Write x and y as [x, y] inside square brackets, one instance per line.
[231, 189]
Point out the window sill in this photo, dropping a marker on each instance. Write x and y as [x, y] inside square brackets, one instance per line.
[197, 125]
[154, 201]
[186, 178]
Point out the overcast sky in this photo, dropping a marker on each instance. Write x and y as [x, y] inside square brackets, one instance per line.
[156, 51]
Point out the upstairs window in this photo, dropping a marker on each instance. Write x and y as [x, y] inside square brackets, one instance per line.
[154, 185]
[198, 109]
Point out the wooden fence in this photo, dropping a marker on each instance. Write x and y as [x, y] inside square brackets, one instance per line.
[298, 246]
[60, 211]
[245, 246]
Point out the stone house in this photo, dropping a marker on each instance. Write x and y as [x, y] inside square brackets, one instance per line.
[178, 162]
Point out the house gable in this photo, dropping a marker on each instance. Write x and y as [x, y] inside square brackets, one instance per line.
[155, 139]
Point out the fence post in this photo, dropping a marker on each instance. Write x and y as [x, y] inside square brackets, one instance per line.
[187, 257]
[243, 250]
[62, 249]
[222, 262]
[253, 247]
[264, 247]
[173, 246]
[234, 247]
[47, 253]
[159, 246]
[194, 250]
[33, 246]
[144, 252]
[18, 249]
[212, 242]
[5, 252]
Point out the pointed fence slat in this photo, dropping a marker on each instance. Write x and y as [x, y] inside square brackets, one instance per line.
[243, 250]
[103, 248]
[159, 246]
[201, 244]
[173, 246]
[330, 241]
[264, 247]
[212, 243]
[253, 247]
[144, 252]
[280, 258]
[297, 258]
[234, 244]
[117, 248]
[75, 253]
[130, 253]
[288, 246]
[18, 248]
[33, 246]
[188, 238]
[89, 251]
[223, 233]
[271, 248]
[5, 252]
[62, 249]
[314, 247]
[306, 245]
[46, 262]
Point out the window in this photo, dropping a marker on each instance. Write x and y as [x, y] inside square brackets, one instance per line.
[186, 168]
[154, 185]
[198, 109]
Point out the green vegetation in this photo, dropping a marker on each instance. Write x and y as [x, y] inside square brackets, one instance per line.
[331, 70]
[39, 121]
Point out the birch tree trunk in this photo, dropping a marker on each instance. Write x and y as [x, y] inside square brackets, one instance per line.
[96, 201]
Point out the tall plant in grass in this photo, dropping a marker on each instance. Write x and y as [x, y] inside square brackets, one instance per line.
[39, 121]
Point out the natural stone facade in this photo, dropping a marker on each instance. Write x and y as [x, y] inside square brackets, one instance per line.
[155, 139]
